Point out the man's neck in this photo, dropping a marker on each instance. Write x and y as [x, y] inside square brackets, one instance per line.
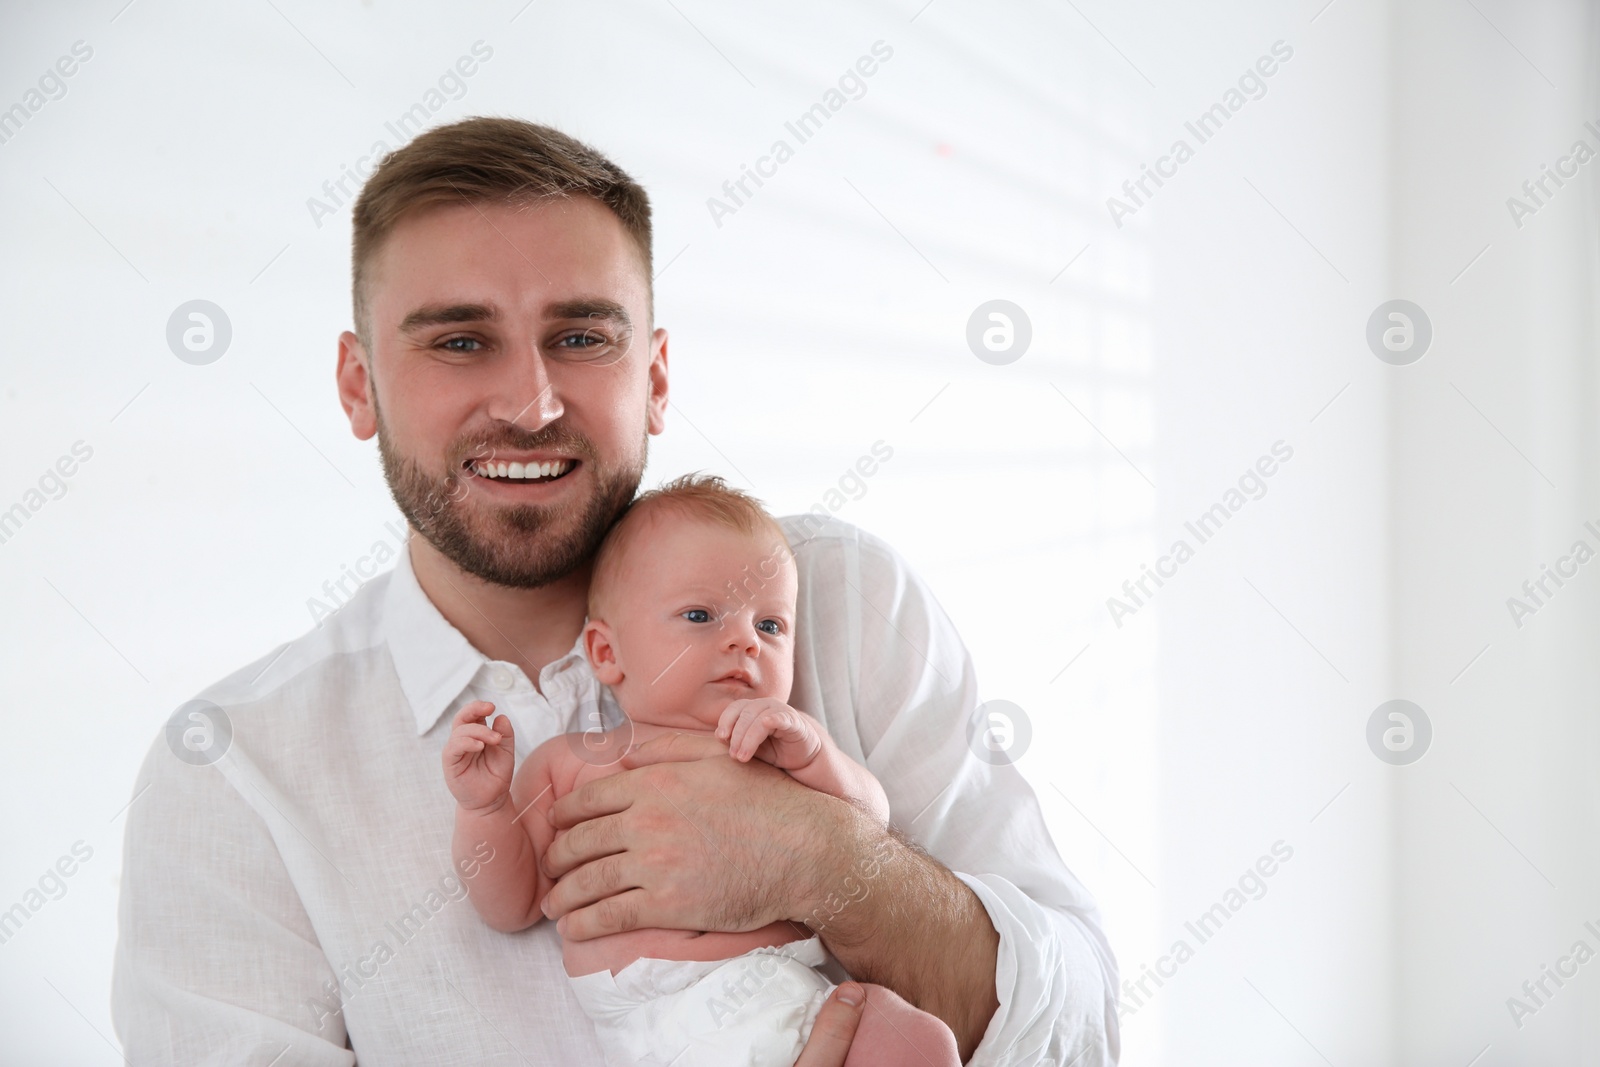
[528, 627]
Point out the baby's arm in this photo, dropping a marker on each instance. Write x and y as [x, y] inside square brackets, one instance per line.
[780, 735]
[478, 762]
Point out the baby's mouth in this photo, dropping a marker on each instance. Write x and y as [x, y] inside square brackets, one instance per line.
[523, 473]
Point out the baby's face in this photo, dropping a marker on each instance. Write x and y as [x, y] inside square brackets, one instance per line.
[699, 615]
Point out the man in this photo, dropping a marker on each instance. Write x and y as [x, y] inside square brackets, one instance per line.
[290, 897]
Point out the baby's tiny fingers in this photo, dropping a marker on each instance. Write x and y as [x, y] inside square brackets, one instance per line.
[789, 727]
[755, 731]
[730, 717]
[481, 734]
[460, 754]
[474, 711]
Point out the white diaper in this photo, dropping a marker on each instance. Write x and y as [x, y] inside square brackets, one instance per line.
[754, 1009]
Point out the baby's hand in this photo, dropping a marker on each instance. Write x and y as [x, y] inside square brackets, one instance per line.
[478, 758]
[770, 730]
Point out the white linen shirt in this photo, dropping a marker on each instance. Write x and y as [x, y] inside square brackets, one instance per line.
[294, 903]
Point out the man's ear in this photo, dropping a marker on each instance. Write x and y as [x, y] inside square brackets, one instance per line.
[602, 653]
[656, 419]
[354, 379]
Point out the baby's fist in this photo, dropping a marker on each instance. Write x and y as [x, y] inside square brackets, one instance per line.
[479, 758]
[770, 730]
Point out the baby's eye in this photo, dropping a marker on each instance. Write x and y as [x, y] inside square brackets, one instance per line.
[697, 615]
[770, 626]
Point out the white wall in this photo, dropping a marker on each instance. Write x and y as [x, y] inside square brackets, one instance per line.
[829, 312]
[1487, 897]
[1274, 640]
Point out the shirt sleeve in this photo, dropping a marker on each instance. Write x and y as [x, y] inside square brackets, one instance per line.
[216, 961]
[912, 689]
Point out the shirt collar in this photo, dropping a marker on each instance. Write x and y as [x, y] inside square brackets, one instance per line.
[434, 661]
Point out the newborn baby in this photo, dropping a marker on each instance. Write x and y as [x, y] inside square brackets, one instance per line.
[691, 626]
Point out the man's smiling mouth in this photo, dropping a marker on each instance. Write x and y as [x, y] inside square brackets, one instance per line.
[527, 473]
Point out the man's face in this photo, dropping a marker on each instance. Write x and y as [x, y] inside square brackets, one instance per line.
[512, 377]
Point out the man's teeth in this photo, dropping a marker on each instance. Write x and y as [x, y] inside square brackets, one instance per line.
[524, 471]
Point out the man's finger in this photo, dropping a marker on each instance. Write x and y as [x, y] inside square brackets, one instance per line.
[603, 796]
[589, 884]
[674, 748]
[585, 842]
[835, 1028]
[609, 916]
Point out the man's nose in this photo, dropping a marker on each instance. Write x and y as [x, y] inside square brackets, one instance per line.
[526, 394]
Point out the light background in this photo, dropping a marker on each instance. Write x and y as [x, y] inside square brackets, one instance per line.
[830, 312]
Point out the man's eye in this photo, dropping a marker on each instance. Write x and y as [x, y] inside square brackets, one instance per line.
[770, 626]
[449, 343]
[697, 615]
[586, 343]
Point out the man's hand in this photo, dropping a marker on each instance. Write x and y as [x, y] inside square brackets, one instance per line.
[683, 808]
[771, 730]
[479, 758]
[698, 841]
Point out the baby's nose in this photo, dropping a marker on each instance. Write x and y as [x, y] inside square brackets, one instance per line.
[741, 633]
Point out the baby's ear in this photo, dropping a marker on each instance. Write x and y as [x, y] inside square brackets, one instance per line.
[601, 652]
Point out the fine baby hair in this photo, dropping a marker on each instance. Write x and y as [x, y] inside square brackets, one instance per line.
[695, 495]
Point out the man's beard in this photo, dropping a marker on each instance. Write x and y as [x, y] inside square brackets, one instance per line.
[523, 546]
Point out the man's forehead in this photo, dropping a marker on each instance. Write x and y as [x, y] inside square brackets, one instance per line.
[553, 252]
[550, 212]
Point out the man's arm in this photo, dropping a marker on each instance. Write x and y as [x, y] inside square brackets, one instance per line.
[881, 889]
[216, 961]
[907, 923]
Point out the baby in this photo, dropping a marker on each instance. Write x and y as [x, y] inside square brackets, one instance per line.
[684, 647]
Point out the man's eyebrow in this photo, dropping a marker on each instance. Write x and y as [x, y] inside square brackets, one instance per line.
[444, 314]
[590, 308]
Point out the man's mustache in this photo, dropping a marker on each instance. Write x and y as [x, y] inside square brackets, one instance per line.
[552, 438]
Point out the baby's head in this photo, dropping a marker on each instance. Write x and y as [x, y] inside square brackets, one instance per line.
[691, 605]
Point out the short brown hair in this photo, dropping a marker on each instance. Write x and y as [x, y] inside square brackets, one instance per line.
[702, 496]
[487, 160]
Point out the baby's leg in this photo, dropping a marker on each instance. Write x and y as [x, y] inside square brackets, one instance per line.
[893, 1033]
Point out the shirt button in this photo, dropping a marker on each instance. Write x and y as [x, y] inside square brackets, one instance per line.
[501, 678]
